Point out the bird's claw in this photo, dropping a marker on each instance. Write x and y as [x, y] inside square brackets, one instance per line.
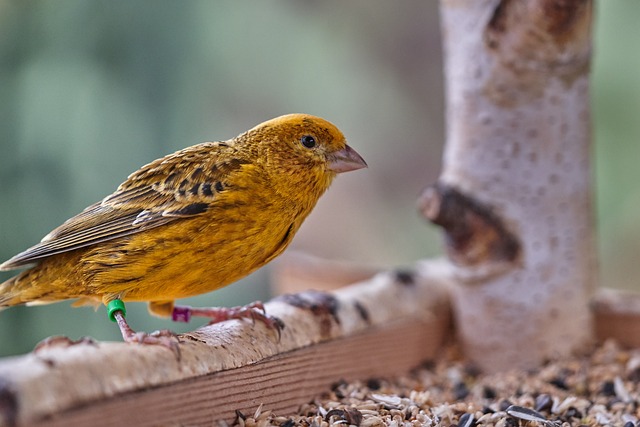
[254, 311]
[276, 324]
[165, 333]
[164, 338]
[256, 305]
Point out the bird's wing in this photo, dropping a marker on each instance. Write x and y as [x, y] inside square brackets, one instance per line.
[181, 185]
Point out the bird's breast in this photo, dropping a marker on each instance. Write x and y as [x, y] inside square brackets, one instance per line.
[198, 255]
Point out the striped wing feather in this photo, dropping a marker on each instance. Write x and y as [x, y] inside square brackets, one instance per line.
[181, 185]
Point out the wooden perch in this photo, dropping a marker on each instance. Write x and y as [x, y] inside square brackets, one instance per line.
[379, 328]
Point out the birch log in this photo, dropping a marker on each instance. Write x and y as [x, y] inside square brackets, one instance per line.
[382, 327]
[514, 194]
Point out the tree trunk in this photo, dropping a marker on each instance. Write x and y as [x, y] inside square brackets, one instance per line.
[514, 194]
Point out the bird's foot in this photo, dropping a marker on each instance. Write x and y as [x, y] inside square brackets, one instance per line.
[61, 341]
[254, 311]
[164, 337]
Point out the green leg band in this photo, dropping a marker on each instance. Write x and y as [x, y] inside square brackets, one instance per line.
[113, 306]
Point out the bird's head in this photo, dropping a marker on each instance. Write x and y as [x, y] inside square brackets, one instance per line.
[303, 153]
[307, 141]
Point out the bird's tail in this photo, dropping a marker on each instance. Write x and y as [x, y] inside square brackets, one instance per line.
[20, 290]
[8, 295]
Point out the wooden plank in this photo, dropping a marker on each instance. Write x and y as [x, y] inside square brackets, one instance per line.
[376, 328]
[282, 383]
[617, 316]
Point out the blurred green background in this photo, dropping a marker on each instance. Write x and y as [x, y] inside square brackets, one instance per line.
[92, 90]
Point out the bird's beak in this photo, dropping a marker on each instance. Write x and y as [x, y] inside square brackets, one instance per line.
[346, 160]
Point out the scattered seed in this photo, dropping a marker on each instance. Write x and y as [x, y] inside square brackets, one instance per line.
[525, 413]
[543, 402]
[573, 413]
[621, 390]
[373, 383]
[488, 392]
[561, 407]
[460, 391]
[504, 405]
[603, 419]
[600, 392]
[374, 421]
[256, 415]
[560, 383]
[392, 401]
[608, 389]
[466, 420]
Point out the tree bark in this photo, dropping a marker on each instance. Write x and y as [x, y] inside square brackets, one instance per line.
[514, 194]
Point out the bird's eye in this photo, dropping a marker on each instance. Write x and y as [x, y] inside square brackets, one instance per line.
[308, 141]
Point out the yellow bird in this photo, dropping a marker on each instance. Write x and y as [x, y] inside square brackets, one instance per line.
[186, 224]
